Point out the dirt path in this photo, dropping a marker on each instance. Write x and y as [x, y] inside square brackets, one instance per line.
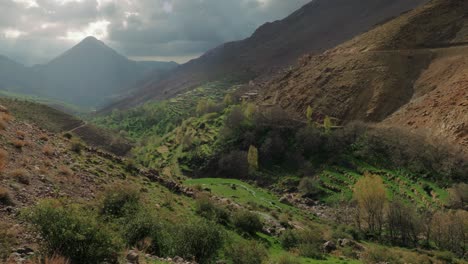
[84, 123]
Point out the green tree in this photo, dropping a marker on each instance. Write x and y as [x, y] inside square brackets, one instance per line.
[249, 110]
[252, 158]
[228, 100]
[309, 114]
[327, 124]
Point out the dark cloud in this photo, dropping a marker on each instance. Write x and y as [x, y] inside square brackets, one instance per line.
[33, 31]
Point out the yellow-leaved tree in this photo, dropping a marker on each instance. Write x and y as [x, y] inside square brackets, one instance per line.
[371, 197]
[252, 158]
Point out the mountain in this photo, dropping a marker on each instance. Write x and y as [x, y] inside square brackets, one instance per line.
[91, 73]
[88, 75]
[319, 25]
[410, 72]
[15, 76]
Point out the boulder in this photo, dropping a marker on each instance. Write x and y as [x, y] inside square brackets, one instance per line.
[329, 246]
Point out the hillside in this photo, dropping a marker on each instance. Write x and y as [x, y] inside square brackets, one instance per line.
[88, 75]
[317, 26]
[412, 59]
[61, 123]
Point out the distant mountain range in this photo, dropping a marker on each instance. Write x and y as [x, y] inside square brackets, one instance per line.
[317, 26]
[88, 75]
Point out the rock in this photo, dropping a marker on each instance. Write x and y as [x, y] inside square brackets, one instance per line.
[329, 246]
[3, 109]
[178, 259]
[24, 250]
[133, 257]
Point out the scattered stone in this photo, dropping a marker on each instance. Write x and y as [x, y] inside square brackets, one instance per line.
[329, 246]
[133, 257]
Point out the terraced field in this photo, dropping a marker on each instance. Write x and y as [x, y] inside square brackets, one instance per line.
[338, 182]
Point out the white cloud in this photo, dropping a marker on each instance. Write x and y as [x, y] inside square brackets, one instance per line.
[97, 29]
[12, 33]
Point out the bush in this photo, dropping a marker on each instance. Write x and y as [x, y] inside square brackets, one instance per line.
[48, 150]
[310, 187]
[7, 240]
[120, 200]
[209, 210]
[287, 259]
[65, 171]
[76, 146]
[5, 197]
[3, 159]
[18, 143]
[21, 175]
[289, 239]
[247, 252]
[144, 231]
[200, 240]
[74, 233]
[247, 222]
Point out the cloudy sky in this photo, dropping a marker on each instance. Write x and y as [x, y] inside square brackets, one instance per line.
[35, 31]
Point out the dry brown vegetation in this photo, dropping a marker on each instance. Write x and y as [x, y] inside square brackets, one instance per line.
[21, 175]
[20, 134]
[5, 197]
[3, 159]
[65, 171]
[48, 150]
[18, 143]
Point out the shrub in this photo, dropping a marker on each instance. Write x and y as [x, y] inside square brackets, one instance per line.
[21, 175]
[199, 239]
[7, 240]
[65, 171]
[48, 150]
[209, 210]
[20, 134]
[3, 124]
[144, 231]
[287, 259]
[310, 250]
[289, 239]
[379, 255]
[18, 143]
[74, 233]
[120, 200]
[5, 197]
[246, 252]
[310, 187]
[3, 159]
[43, 137]
[76, 146]
[247, 222]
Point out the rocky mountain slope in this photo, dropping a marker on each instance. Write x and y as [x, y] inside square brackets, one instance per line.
[319, 25]
[415, 64]
[88, 75]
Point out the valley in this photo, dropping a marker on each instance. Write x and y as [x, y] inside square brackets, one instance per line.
[338, 134]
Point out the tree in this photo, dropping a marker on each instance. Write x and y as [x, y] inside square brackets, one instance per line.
[310, 187]
[327, 124]
[249, 111]
[309, 114]
[228, 100]
[370, 194]
[458, 196]
[252, 158]
[403, 222]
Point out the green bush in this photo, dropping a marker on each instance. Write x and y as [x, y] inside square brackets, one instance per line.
[7, 240]
[248, 252]
[120, 200]
[247, 222]
[289, 239]
[209, 210]
[287, 259]
[75, 233]
[199, 239]
[145, 231]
